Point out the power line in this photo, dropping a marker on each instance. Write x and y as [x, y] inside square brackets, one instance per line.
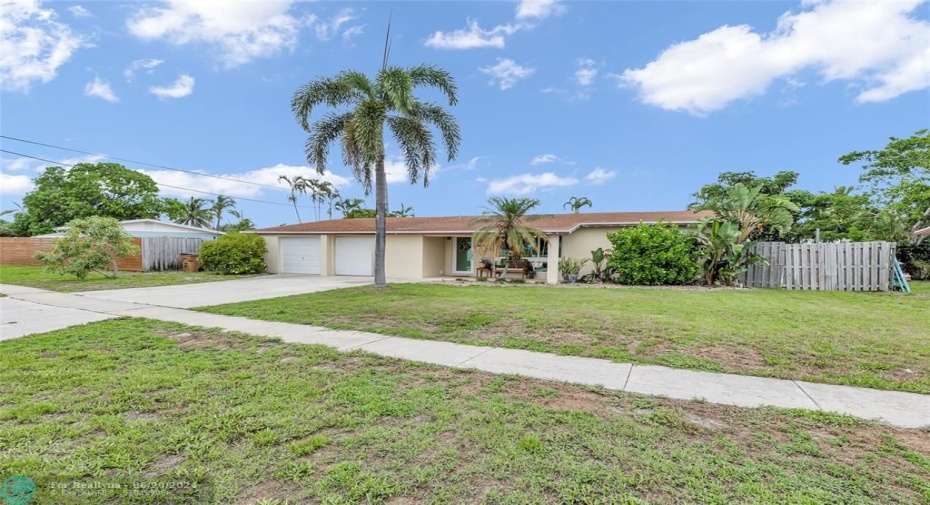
[160, 184]
[279, 188]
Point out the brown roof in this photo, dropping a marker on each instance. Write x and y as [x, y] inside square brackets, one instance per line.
[552, 223]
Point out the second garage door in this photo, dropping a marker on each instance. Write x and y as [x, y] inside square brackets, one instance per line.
[300, 255]
[355, 255]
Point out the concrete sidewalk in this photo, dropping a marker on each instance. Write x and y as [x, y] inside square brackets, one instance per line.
[907, 410]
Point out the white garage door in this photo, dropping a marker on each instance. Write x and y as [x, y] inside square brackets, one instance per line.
[355, 255]
[300, 255]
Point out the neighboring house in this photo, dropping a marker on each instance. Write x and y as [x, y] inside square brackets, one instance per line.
[155, 228]
[424, 247]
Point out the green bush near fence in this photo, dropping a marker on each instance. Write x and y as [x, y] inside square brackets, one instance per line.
[653, 255]
[234, 253]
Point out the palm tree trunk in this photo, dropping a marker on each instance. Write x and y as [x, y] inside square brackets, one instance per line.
[380, 221]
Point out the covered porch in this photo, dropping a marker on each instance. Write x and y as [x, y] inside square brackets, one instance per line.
[464, 260]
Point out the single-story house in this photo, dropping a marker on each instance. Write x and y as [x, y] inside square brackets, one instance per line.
[426, 247]
[154, 228]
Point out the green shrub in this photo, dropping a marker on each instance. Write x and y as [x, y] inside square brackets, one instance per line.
[653, 255]
[234, 253]
[91, 244]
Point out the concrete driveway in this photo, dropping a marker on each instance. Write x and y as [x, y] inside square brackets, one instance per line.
[185, 296]
[19, 318]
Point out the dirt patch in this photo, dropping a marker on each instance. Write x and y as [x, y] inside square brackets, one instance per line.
[743, 358]
[205, 339]
[917, 441]
[288, 359]
[704, 422]
[141, 416]
[163, 465]
[902, 375]
[268, 490]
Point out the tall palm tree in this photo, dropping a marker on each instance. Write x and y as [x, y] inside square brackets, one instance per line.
[505, 229]
[296, 186]
[221, 204]
[576, 203]
[196, 212]
[366, 107]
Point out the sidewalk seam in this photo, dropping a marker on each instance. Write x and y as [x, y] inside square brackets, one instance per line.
[809, 397]
[356, 346]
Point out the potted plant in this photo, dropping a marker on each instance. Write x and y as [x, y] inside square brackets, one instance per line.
[570, 268]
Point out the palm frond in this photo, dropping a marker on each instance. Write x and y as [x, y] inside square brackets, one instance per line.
[434, 77]
[324, 132]
[397, 87]
[368, 124]
[331, 92]
[416, 143]
[446, 124]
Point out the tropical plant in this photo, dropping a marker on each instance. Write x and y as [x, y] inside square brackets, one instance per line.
[220, 205]
[370, 106]
[599, 270]
[242, 224]
[721, 256]
[234, 253]
[575, 203]
[655, 254]
[92, 244]
[196, 212]
[571, 267]
[403, 211]
[504, 228]
[752, 210]
[348, 205]
[295, 184]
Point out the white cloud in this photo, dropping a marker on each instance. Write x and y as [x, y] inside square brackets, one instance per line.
[18, 163]
[352, 31]
[544, 158]
[144, 64]
[33, 44]
[587, 72]
[326, 30]
[507, 72]
[79, 12]
[529, 183]
[267, 175]
[539, 9]
[600, 176]
[183, 86]
[100, 88]
[239, 31]
[14, 184]
[473, 36]
[880, 47]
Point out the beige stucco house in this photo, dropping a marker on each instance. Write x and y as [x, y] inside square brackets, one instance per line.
[426, 247]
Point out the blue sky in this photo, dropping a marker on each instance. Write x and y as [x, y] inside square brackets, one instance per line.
[632, 104]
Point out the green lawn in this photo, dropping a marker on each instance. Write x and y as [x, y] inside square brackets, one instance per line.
[38, 277]
[863, 339]
[233, 419]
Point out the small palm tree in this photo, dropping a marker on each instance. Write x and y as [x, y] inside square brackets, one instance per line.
[221, 204]
[196, 212]
[753, 211]
[576, 203]
[403, 211]
[347, 205]
[371, 106]
[505, 229]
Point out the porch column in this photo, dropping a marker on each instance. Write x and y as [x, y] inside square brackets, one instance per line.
[552, 268]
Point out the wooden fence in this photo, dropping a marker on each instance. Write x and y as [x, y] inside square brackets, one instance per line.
[158, 253]
[161, 253]
[842, 266]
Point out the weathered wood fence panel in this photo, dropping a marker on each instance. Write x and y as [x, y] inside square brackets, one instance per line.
[161, 253]
[22, 250]
[847, 266]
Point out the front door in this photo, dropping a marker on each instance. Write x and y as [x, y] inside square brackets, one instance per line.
[463, 254]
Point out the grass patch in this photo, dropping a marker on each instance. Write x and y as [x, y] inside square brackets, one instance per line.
[38, 277]
[870, 340]
[246, 420]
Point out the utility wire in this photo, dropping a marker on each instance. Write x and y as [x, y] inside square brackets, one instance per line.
[160, 184]
[279, 188]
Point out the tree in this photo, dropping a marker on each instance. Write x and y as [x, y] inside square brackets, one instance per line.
[899, 176]
[576, 203]
[196, 212]
[504, 227]
[221, 204]
[347, 205]
[242, 224]
[90, 245]
[369, 106]
[89, 189]
[403, 211]
[778, 184]
[752, 211]
[295, 184]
